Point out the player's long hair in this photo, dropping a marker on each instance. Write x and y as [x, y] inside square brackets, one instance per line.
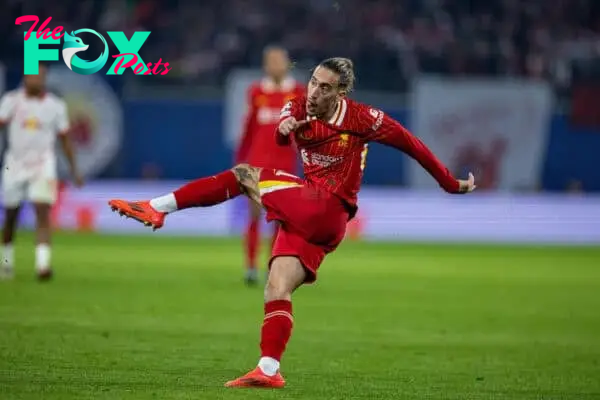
[344, 67]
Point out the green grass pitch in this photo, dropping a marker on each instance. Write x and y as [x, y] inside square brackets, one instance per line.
[169, 318]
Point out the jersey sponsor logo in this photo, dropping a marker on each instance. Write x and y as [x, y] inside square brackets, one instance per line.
[95, 119]
[377, 116]
[321, 160]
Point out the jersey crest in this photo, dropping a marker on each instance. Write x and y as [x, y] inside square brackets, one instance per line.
[344, 139]
[31, 124]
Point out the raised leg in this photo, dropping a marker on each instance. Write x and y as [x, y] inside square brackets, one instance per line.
[203, 192]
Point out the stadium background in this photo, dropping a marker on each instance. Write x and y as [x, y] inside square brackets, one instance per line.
[185, 124]
[132, 316]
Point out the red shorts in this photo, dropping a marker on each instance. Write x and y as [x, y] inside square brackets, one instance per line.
[274, 160]
[291, 167]
[313, 221]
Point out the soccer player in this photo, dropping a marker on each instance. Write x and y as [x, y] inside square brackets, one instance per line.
[332, 133]
[35, 118]
[258, 146]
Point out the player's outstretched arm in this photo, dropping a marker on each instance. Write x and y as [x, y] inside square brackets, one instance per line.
[390, 132]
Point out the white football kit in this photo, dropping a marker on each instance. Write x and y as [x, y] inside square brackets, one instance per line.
[29, 170]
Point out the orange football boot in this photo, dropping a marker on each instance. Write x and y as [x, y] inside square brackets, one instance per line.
[141, 211]
[257, 379]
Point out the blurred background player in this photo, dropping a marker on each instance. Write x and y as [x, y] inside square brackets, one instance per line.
[258, 147]
[35, 118]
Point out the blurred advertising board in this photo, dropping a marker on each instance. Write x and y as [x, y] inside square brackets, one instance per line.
[498, 129]
[385, 214]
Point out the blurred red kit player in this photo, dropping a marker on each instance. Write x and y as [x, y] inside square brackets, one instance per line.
[332, 133]
[258, 146]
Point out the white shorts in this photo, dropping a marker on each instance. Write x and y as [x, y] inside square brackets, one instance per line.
[35, 186]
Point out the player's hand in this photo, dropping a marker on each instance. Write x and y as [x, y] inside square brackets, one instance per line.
[468, 185]
[290, 125]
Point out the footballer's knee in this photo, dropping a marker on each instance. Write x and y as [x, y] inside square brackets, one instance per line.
[246, 173]
[248, 177]
[285, 276]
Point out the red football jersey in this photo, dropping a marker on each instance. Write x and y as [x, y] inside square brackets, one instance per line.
[258, 146]
[334, 152]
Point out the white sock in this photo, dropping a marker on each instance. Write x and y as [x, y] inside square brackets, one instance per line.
[8, 256]
[269, 366]
[166, 203]
[42, 257]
